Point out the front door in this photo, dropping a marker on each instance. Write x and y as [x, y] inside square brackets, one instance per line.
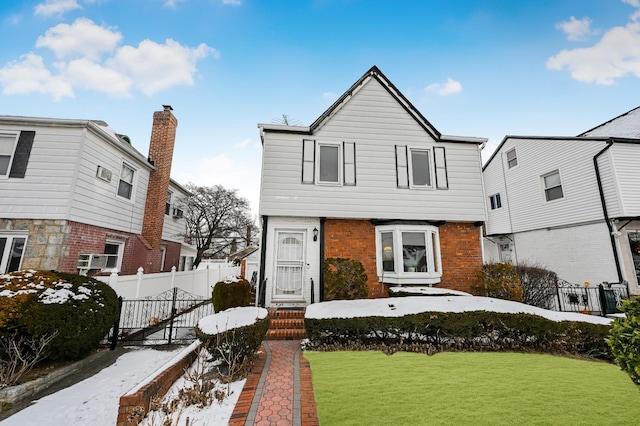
[289, 265]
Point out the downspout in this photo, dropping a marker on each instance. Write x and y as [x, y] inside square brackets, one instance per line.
[263, 255]
[322, 219]
[604, 208]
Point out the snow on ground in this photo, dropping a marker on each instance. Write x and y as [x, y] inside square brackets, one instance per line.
[94, 401]
[231, 318]
[400, 306]
[428, 291]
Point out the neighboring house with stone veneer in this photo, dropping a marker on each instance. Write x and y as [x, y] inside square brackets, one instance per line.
[569, 204]
[70, 188]
[370, 180]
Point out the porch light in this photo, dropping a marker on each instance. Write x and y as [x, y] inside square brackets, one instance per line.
[315, 234]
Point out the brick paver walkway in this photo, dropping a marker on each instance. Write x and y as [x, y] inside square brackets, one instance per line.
[278, 390]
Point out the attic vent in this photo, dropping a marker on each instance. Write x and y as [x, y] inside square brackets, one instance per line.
[124, 138]
[104, 174]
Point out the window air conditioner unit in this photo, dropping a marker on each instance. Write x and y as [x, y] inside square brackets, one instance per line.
[92, 261]
[177, 213]
[104, 174]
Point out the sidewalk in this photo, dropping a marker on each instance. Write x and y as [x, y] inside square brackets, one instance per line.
[278, 390]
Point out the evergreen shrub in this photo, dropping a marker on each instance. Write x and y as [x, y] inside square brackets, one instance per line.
[231, 293]
[344, 279]
[624, 340]
[431, 332]
[79, 310]
[498, 280]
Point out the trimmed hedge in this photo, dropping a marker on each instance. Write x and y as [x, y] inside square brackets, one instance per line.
[238, 344]
[624, 340]
[40, 303]
[231, 294]
[344, 279]
[431, 332]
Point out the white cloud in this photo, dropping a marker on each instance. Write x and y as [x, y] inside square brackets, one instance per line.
[243, 143]
[444, 89]
[56, 7]
[330, 96]
[634, 3]
[82, 39]
[614, 56]
[173, 3]
[29, 75]
[233, 2]
[154, 67]
[90, 57]
[576, 29]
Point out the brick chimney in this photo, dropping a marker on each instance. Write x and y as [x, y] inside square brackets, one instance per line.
[163, 135]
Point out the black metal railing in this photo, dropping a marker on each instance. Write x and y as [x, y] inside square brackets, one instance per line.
[596, 300]
[168, 317]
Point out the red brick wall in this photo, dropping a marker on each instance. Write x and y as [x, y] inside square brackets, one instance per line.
[355, 239]
[461, 252]
[85, 238]
[460, 249]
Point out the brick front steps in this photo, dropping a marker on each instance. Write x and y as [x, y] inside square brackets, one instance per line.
[286, 324]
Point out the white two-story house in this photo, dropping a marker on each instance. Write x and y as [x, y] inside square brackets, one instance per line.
[75, 196]
[370, 180]
[569, 204]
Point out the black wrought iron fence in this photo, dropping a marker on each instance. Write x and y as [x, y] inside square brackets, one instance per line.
[595, 300]
[168, 317]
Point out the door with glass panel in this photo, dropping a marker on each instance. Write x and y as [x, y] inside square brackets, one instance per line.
[289, 265]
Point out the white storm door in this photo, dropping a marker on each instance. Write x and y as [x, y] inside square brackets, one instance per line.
[289, 264]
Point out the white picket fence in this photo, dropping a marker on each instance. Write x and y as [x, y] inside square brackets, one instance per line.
[198, 282]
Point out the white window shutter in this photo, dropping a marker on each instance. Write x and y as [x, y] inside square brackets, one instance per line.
[308, 160]
[349, 156]
[440, 159]
[402, 171]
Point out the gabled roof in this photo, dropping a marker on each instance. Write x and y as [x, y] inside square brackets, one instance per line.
[376, 74]
[625, 125]
[242, 253]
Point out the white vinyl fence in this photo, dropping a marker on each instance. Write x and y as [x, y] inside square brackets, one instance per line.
[198, 282]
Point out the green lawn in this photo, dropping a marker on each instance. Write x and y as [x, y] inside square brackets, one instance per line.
[370, 388]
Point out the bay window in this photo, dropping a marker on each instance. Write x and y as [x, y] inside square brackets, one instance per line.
[408, 254]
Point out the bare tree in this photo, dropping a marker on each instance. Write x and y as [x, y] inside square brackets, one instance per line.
[217, 218]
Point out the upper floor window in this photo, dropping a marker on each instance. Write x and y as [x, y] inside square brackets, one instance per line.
[552, 186]
[15, 150]
[328, 163]
[11, 252]
[416, 168]
[125, 186]
[512, 158]
[7, 147]
[167, 206]
[420, 172]
[408, 254]
[495, 201]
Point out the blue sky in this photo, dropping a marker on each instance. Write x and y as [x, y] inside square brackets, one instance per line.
[473, 68]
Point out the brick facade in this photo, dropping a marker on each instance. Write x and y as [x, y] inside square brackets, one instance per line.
[460, 249]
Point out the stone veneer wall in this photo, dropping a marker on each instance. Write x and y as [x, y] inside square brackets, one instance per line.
[460, 249]
[46, 242]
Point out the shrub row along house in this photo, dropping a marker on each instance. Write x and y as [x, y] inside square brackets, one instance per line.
[373, 181]
[75, 196]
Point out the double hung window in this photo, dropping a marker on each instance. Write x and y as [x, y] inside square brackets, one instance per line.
[328, 163]
[495, 201]
[125, 185]
[512, 158]
[552, 186]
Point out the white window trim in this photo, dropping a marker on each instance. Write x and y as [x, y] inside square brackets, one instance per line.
[120, 254]
[133, 184]
[338, 145]
[13, 152]
[506, 158]
[401, 277]
[544, 188]
[430, 164]
[4, 256]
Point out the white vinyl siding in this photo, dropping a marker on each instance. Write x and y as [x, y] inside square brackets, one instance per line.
[625, 160]
[174, 228]
[524, 197]
[377, 124]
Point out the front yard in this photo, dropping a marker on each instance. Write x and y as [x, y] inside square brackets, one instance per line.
[356, 388]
